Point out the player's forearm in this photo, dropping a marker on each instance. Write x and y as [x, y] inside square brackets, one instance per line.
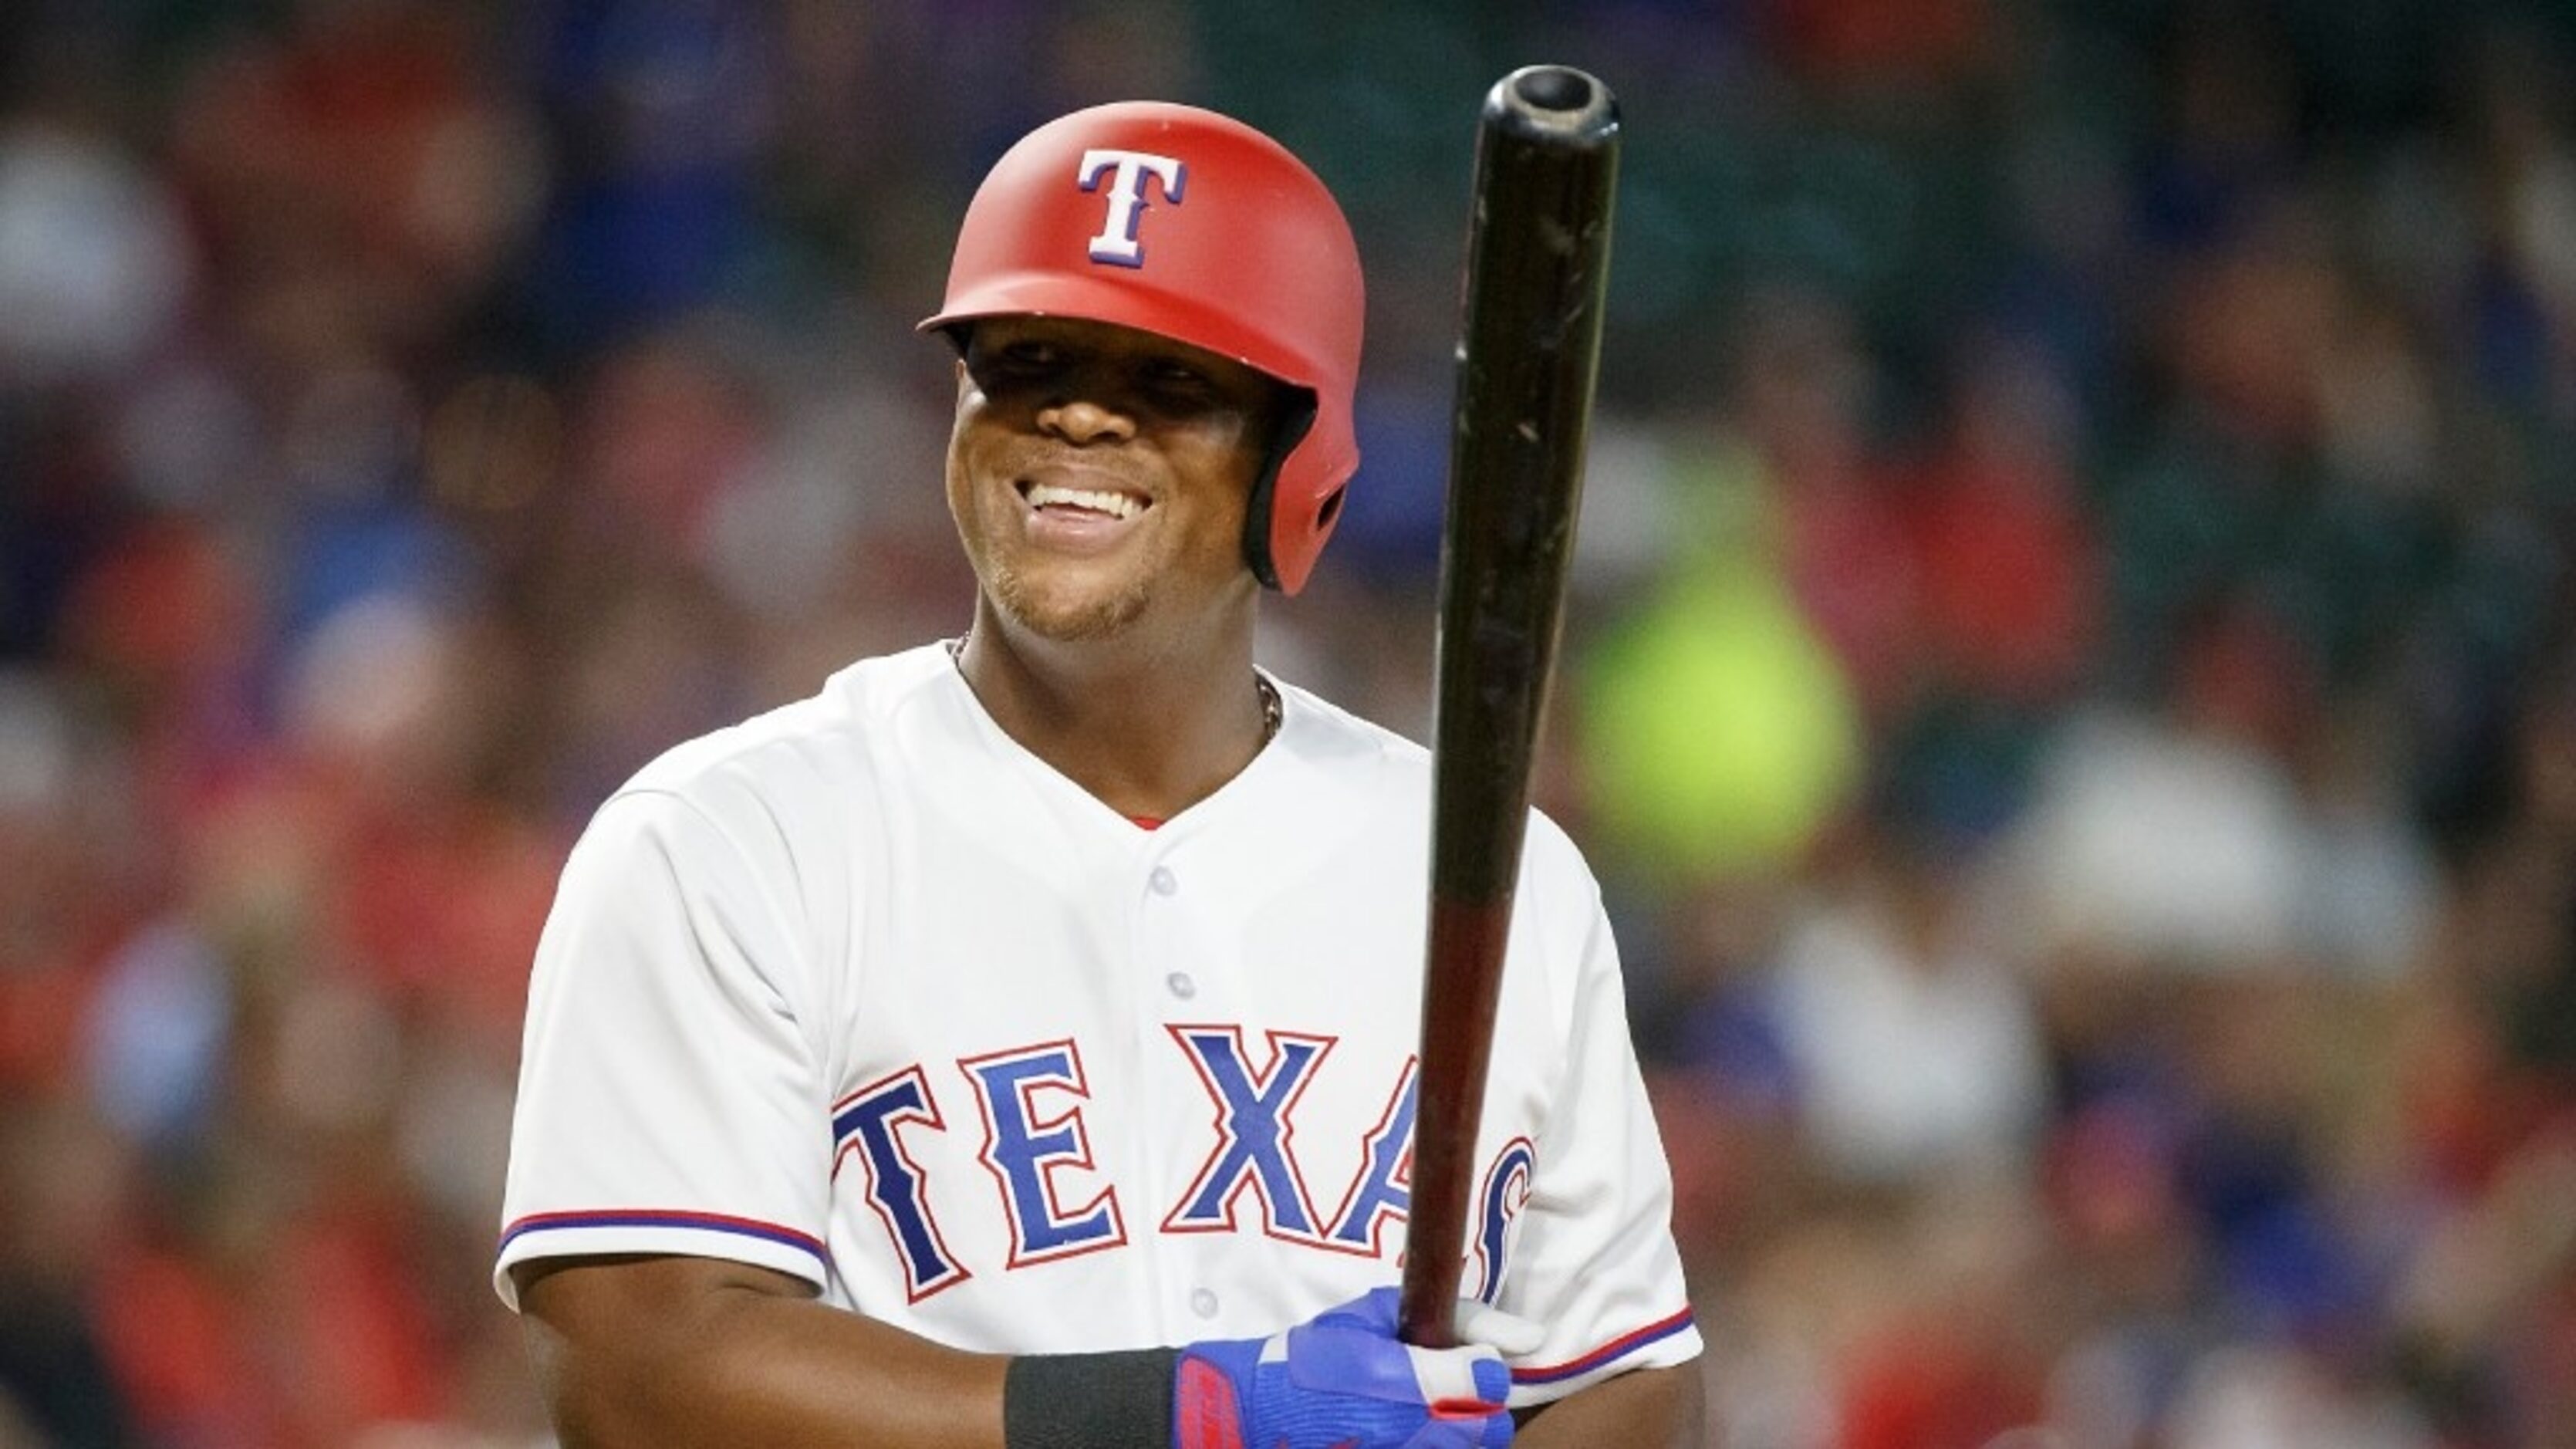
[1650, 1409]
[677, 1352]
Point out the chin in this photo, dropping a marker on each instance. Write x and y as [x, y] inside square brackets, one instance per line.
[1067, 612]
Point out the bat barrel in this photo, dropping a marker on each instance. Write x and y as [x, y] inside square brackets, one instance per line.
[1537, 273]
[1536, 279]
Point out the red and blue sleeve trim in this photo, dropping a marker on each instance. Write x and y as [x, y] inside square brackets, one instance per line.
[1619, 1347]
[657, 1218]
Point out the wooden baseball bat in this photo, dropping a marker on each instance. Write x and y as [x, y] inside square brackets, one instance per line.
[1538, 248]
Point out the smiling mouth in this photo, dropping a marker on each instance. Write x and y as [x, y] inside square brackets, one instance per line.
[1107, 503]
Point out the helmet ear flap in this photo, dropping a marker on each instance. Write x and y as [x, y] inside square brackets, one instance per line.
[1260, 521]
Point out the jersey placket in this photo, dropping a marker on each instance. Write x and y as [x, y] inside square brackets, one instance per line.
[1166, 989]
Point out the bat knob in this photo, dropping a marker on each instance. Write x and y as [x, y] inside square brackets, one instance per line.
[1554, 103]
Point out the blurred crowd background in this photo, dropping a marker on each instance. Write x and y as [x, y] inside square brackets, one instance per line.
[2069, 685]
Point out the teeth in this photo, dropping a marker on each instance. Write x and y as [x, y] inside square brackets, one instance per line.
[1116, 505]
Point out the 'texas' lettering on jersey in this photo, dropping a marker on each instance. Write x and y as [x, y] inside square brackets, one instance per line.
[1037, 1154]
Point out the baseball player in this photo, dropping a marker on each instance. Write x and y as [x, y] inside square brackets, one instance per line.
[1012, 1045]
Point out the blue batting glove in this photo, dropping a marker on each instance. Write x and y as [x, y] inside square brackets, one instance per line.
[1343, 1380]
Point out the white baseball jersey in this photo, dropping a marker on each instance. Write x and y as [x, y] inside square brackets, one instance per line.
[864, 992]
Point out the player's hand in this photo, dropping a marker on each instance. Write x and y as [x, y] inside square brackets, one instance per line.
[1344, 1379]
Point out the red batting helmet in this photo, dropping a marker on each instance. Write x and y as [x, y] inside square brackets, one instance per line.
[1194, 226]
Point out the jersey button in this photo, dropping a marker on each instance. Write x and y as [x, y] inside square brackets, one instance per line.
[1162, 882]
[1203, 1303]
[1181, 985]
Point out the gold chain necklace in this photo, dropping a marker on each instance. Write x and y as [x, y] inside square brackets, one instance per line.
[1271, 708]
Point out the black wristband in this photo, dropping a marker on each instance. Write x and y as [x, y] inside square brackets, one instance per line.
[1089, 1400]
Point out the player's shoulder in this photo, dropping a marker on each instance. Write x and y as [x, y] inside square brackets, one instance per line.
[1350, 764]
[814, 747]
[1332, 734]
[1396, 770]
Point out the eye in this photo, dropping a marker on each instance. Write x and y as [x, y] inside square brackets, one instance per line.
[1031, 355]
[1179, 382]
[1017, 360]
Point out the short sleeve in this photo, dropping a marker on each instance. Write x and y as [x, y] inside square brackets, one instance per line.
[670, 1100]
[1593, 1257]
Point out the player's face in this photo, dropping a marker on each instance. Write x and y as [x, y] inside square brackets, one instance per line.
[1099, 474]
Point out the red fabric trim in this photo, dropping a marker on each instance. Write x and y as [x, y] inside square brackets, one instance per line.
[1550, 1373]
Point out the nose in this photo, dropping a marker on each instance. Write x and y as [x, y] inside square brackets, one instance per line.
[1088, 415]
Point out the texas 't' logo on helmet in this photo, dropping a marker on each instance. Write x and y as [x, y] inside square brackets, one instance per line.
[1117, 244]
